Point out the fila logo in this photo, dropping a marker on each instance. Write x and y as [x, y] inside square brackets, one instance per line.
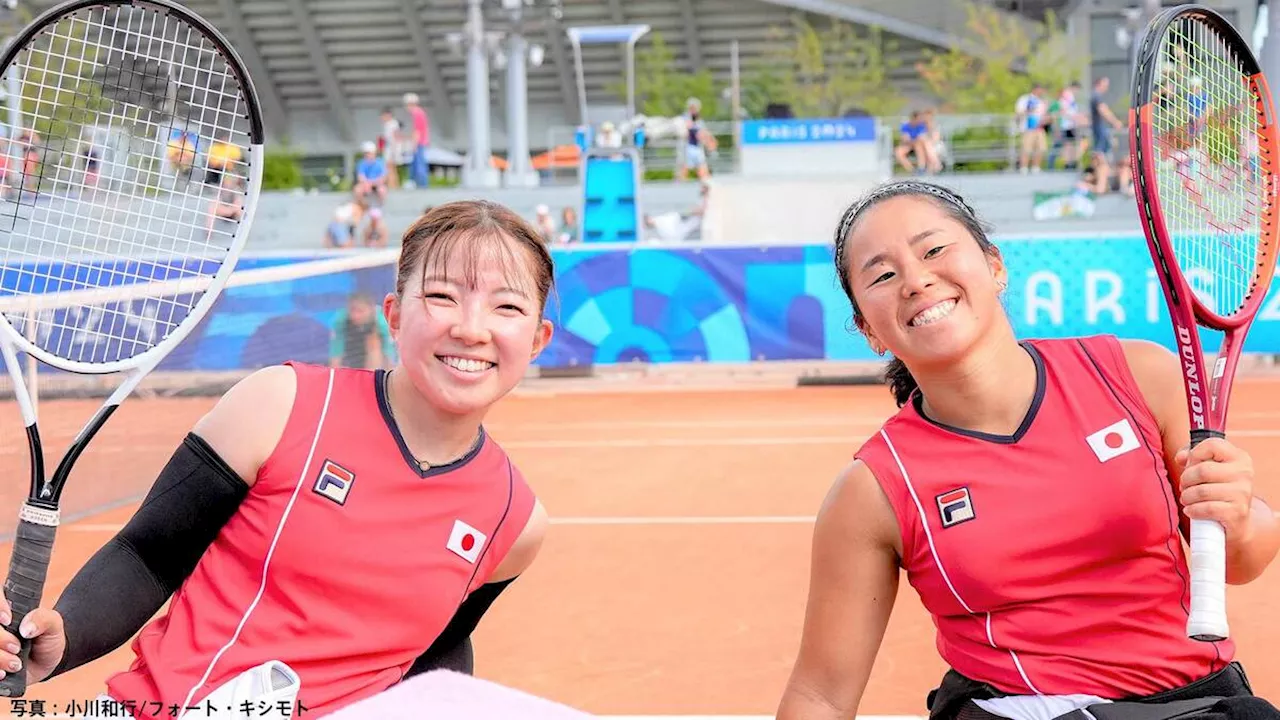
[955, 507]
[466, 541]
[334, 482]
[1113, 441]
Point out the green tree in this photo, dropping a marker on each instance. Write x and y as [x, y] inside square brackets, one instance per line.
[826, 72]
[662, 88]
[762, 83]
[992, 83]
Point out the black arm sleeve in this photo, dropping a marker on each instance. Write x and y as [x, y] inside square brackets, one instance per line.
[452, 649]
[127, 581]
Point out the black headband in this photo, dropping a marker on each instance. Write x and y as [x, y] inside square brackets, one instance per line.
[901, 187]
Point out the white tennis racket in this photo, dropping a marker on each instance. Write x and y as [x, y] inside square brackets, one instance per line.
[138, 122]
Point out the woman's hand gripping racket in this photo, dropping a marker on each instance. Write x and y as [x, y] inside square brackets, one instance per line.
[1204, 164]
[134, 116]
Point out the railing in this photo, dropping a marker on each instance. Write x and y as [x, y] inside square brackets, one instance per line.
[972, 143]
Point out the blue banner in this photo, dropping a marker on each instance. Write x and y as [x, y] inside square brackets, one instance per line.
[713, 304]
[785, 303]
[774, 132]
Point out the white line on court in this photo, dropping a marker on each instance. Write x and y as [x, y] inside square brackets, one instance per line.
[689, 520]
[681, 442]
[556, 444]
[802, 421]
[638, 520]
[772, 441]
[749, 441]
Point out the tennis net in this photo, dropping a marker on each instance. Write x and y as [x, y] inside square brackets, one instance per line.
[274, 308]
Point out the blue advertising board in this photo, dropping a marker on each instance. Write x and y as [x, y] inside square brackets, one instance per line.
[785, 303]
[821, 130]
[715, 304]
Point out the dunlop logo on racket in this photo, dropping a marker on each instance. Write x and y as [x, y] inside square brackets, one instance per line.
[1187, 349]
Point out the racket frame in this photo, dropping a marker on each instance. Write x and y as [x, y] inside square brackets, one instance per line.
[1208, 395]
[151, 357]
[39, 515]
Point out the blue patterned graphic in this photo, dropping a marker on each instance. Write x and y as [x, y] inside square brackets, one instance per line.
[785, 303]
[715, 304]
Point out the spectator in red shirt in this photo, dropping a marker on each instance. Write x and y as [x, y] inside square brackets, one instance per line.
[421, 128]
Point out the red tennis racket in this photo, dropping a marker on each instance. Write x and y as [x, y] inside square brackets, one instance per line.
[1203, 150]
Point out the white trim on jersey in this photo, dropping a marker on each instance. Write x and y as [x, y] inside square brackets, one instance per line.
[266, 563]
[933, 549]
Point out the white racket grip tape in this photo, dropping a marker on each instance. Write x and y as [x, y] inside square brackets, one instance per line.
[1208, 619]
[24, 587]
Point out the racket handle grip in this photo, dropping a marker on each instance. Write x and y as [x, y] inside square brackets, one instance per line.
[24, 587]
[1207, 621]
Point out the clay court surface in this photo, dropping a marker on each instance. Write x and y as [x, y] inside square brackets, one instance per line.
[674, 579]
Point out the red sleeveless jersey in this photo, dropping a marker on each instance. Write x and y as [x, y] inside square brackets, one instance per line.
[1050, 559]
[345, 560]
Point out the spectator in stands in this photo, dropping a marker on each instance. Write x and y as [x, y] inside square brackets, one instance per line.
[371, 177]
[360, 337]
[421, 125]
[229, 204]
[568, 225]
[1100, 116]
[341, 232]
[91, 157]
[5, 159]
[222, 155]
[181, 152]
[933, 137]
[29, 142]
[609, 136]
[674, 226]
[545, 224]
[389, 146]
[913, 138]
[376, 234]
[698, 142]
[1032, 114]
[1067, 121]
[1122, 182]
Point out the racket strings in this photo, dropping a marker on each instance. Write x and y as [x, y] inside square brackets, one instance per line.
[142, 97]
[1211, 174]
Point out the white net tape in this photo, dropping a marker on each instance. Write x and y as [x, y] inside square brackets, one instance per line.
[271, 310]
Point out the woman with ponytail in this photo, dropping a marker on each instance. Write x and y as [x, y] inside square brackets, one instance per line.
[1036, 493]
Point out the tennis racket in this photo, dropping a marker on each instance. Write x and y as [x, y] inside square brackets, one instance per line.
[137, 119]
[1203, 151]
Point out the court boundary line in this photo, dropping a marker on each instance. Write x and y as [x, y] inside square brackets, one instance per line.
[616, 443]
[585, 520]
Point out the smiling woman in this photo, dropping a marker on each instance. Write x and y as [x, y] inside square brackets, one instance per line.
[471, 286]
[984, 488]
[293, 531]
